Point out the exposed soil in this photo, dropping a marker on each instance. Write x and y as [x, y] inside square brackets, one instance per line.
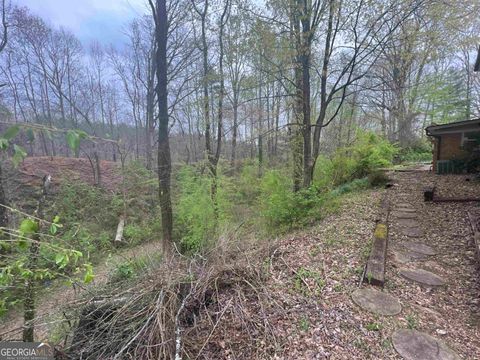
[33, 169]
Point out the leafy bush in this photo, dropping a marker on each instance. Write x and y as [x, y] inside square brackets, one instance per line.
[80, 202]
[371, 152]
[196, 219]
[248, 183]
[418, 153]
[150, 228]
[123, 271]
[368, 153]
[355, 185]
[283, 209]
[377, 178]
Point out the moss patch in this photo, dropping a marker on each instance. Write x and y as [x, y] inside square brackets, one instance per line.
[381, 231]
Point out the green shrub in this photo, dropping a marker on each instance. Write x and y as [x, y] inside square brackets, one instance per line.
[283, 209]
[368, 153]
[134, 234]
[354, 185]
[79, 202]
[197, 222]
[420, 152]
[248, 183]
[371, 152]
[123, 271]
[377, 178]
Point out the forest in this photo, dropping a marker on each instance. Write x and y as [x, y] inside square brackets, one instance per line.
[155, 191]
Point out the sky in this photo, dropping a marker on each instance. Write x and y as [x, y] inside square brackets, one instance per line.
[103, 20]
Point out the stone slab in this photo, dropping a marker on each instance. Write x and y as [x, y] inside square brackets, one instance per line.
[412, 231]
[422, 277]
[416, 345]
[404, 215]
[377, 302]
[419, 247]
[407, 256]
[405, 208]
[412, 223]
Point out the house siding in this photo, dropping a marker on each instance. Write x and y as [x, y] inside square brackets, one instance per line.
[450, 146]
[447, 147]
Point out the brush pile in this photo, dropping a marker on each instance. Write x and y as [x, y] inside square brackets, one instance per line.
[182, 310]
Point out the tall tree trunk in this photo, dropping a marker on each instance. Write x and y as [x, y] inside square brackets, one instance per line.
[235, 129]
[260, 125]
[304, 60]
[164, 157]
[150, 110]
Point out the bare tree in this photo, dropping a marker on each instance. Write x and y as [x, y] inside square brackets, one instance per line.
[159, 12]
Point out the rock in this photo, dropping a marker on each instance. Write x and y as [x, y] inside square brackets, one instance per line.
[415, 345]
[423, 277]
[407, 256]
[419, 247]
[404, 214]
[376, 302]
[404, 205]
[407, 222]
[412, 231]
[405, 209]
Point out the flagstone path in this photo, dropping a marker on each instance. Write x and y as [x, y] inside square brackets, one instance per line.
[409, 247]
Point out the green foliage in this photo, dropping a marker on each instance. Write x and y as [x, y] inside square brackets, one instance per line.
[131, 268]
[19, 154]
[443, 97]
[28, 227]
[307, 280]
[147, 230]
[411, 322]
[248, 183]
[197, 220]
[37, 257]
[368, 153]
[419, 153]
[377, 178]
[283, 209]
[74, 137]
[373, 326]
[354, 185]
[304, 324]
[81, 202]
[123, 272]
[11, 132]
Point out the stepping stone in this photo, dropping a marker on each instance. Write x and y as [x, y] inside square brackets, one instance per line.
[405, 209]
[404, 205]
[416, 345]
[407, 222]
[376, 302]
[419, 247]
[423, 277]
[411, 231]
[407, 256]
[404, 215]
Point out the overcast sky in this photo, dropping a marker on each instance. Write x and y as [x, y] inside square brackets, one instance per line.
[103, 20]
